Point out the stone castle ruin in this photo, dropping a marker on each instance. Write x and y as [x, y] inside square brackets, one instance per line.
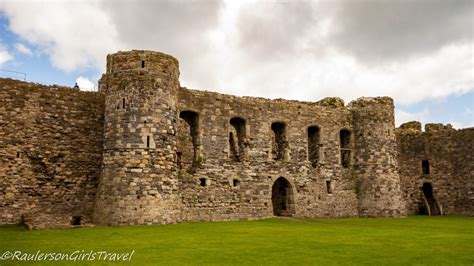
[144, 150]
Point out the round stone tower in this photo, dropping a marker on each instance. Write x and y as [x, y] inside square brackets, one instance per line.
[376, 166]
[139, 182]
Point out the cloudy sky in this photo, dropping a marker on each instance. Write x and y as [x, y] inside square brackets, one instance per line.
[420, 52]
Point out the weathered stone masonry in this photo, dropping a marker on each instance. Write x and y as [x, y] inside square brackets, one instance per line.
[50, 153]
[442, 158]
[165, 154]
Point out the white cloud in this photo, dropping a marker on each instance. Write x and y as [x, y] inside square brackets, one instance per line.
[85, 84]
[75, 34]
[389, 30]
[404, 116]
[331, 72]
[4, 55]
[180, 28]
[223, 47]
[23, 49]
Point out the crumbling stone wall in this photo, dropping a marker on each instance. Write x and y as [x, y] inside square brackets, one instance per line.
[167, 154]
[324, 189]
[50, 153]
[449, 153]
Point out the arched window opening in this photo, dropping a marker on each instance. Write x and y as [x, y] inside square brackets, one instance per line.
[345, 143]
[313, 145]
[425, 167]
[279, 143]
[188, 140]
[237, 137]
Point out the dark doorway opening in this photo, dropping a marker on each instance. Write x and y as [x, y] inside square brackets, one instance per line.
[282, 198]
[430, 205]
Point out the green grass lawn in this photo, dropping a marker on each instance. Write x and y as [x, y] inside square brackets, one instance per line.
[426, 240]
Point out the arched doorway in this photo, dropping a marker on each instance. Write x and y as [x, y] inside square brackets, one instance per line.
[430, 204]
[282, 198]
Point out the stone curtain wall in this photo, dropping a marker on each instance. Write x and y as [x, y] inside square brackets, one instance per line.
[463, 165]
[167, 154]
[50, 153]
[451, 166]
[223, 188]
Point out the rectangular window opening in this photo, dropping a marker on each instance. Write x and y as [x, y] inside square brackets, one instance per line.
[190, 145]
[235, 182]
[313, 145]
[148, 141]
[425, 166]
[237, 137]
[345, 147]
[329, 187]
[279, 143]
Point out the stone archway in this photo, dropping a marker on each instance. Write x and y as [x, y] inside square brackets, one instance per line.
[283, 198]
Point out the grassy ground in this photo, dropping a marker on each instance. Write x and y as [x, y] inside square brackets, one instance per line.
[414, 240]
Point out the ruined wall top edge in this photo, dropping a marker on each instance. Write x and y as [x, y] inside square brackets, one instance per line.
[139, 61]
[143, 62]
[415, 127]
[25, 85]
